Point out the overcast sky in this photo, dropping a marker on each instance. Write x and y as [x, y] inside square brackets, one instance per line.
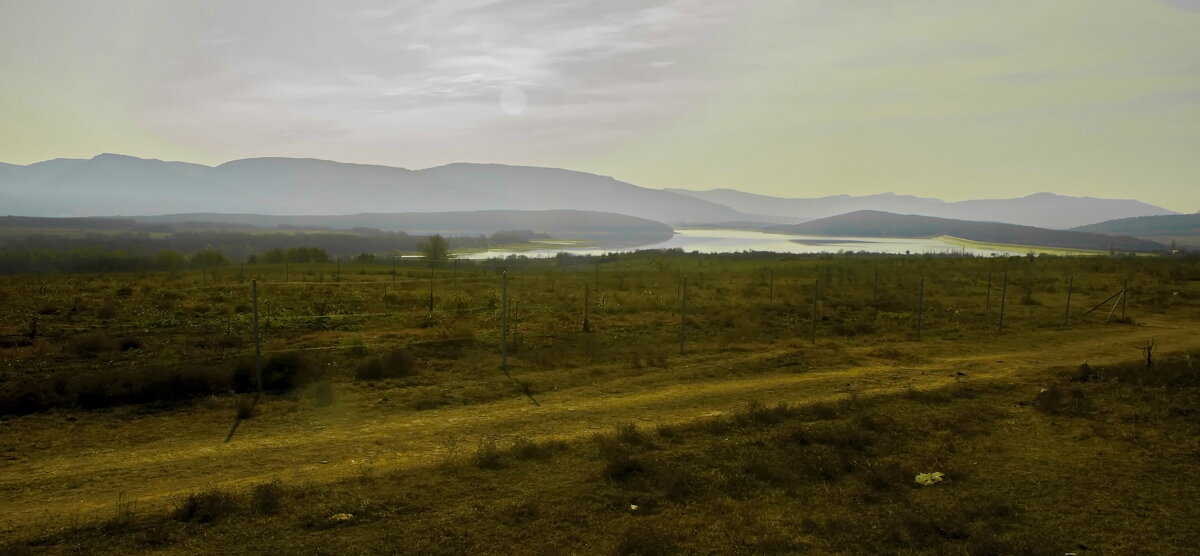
[947, 98]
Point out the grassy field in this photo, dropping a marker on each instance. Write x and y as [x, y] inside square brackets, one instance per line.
[391, 427]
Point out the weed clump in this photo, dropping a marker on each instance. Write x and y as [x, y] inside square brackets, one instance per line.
[527, 449]
[396, 364]
[1055, 400]
[206, 506]
[488, 455]
[267, 498]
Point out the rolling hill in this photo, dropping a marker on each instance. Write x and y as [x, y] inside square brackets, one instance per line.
[111, 184]
[1183, 229]
[870, 223]
[1045, 210]
[606, 229]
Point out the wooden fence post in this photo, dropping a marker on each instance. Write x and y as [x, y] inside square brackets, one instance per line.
[257, 342]
[1067, 314]
[920, 308]
[1003, 298]
[587, 327]
[875, 289]
[771, 287]
[816, 296]
[682, 314]
[504, 321]
[1124, 297]
[987, 306]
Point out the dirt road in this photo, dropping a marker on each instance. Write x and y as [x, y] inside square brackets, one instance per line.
[74, 467]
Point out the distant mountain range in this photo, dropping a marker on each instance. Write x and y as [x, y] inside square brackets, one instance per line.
[1045, 210]
[111, 184]
[870, 223]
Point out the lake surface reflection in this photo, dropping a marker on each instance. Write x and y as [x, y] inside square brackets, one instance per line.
[732, 241]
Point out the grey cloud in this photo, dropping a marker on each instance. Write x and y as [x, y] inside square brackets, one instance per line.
[1189, 5]
[417, 66]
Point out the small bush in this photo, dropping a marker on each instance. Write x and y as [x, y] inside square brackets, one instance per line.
[130, 343]
[1056, 400]
[488, 455]
[205, 507]
[281, 372]
[396, 364]
[109, 310]
[267, 498]
[527, 449]
[92, 343]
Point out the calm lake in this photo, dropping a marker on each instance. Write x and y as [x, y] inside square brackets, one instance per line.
[729, 241]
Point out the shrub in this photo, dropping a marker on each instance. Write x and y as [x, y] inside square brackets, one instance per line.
[525, 448]
[1056, 399]
[488, 456]
[91, 343]
[280, 371]
[267, 498]
[397, 363]
[205, 507]
[129, 343]
[109, 310]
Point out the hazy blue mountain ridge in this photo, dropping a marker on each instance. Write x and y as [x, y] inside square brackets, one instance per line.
[1045, 210]
[121, 185]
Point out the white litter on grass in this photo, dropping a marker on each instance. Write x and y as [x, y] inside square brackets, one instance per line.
[633, 507]
[927, 479]
[341, 517]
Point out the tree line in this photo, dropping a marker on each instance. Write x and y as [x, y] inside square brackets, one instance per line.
[92, 251]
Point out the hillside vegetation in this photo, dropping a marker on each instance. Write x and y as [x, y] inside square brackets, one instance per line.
[1182, 229]
[869, 223]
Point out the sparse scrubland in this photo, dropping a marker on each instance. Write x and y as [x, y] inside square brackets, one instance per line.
[388, 424]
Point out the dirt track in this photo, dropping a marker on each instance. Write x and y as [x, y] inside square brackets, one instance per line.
[62, 467]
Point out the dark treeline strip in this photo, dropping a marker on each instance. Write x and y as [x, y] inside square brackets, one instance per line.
[131, 251]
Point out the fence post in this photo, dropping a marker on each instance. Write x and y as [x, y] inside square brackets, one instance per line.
[920, 308]
[816, 296]
[339, 269]
[771, 288]
[1003, 297]
[285, 269]
[393, 269]
[257, 343]
[1067, 314]
[504, 321]
[431, 291]
[682, 314]
[586, 326]
[1124, 297]
[987, 306]
[875, 289]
